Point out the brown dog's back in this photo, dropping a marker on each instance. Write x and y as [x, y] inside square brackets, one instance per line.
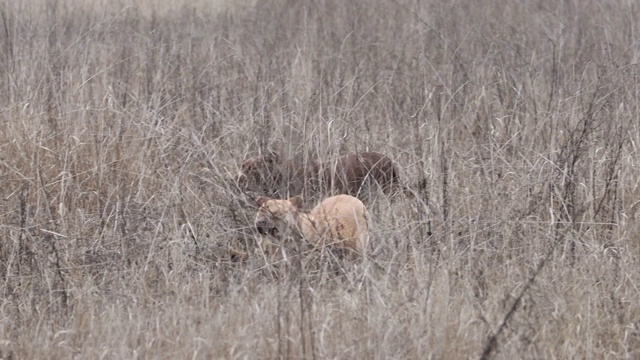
[347, 174]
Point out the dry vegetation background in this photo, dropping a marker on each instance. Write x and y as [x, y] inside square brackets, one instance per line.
[121, 123]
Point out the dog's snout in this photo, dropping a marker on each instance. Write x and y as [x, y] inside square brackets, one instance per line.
[263, 227]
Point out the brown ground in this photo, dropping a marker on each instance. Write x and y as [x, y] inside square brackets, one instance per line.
[122, 123]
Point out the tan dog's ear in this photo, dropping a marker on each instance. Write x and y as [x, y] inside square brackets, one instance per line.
[260, 200]
[296, 201]
[241, 179]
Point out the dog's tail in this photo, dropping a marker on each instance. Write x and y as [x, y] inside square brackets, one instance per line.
[412, 192]
[421, 196]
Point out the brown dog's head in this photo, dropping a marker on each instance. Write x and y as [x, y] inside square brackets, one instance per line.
[259, 172]
[276, 216]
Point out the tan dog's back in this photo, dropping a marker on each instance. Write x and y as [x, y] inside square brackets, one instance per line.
[344, 219]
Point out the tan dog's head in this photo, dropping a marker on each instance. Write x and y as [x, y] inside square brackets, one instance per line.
[276, 216]
[259, 171]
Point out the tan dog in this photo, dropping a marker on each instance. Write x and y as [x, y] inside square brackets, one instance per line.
[347, 174]
[340, 220]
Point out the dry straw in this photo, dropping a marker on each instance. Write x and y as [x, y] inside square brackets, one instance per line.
[122, 126]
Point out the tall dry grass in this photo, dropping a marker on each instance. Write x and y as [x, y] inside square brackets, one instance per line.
[122, 123]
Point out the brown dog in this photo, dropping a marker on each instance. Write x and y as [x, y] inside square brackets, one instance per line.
[347, 174]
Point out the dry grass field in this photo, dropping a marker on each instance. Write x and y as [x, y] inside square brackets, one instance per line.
[123, 123]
